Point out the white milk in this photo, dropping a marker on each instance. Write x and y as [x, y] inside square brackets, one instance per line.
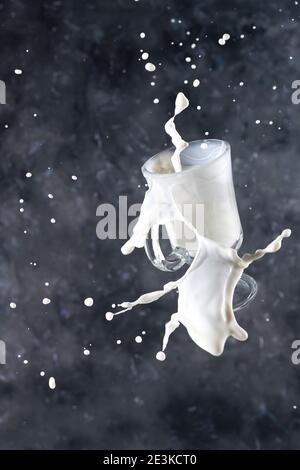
[205, 291]
[203, 191]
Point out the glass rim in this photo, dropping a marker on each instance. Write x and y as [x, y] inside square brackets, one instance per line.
[145, 167]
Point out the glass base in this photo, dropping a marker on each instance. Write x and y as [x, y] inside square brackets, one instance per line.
[245, 291]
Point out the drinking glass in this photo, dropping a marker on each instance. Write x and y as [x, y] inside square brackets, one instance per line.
[204, 192]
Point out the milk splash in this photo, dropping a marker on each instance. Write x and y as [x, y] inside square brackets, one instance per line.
[181, 103]
[205, 291]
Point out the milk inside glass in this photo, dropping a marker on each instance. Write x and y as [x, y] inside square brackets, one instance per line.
[203, 190]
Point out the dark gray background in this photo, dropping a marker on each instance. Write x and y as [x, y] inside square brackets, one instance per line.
[96, 119]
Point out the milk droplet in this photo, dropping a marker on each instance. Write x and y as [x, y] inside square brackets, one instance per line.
[138, 339]
[196, 83]
[86, 352]
[50, 196]
[21, 209]
[143, 332]
[109, 316]
[21, 201]
[88, 302]
[203, 145]
[257, 121]
[52, 220]
[28, 174]
[42, 373]
[52, 383]
[160, 356]
[226, 36]
[46, 301]
[12, 305]
[156, 101]
[18, 71]
[188, 59]
[113, 305]
[119, 341]
[142, 35]
[221, 41]
[150, 67]
[25, 362]
[74, 178]
[145, 56]
[241, 83]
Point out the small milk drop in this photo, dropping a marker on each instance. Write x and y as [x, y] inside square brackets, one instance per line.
[109, 316]
[28, 174]
[188, 59]
[52, 220]
[226, 36]
[160, 356]
[74, 178]
[119, 341]
[18, 71]
[50, 196]
[42, 373]
[12, 305]
[142, 35]
[156, 101]
[138, 339]
[86, 352]
[196, 83]
[52, 383]
[88, 302]
[145, 56]
[221, 41]
[150, 67]
[46, 301]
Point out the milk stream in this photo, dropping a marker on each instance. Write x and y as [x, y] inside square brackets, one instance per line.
[205, 291]
[181, 103]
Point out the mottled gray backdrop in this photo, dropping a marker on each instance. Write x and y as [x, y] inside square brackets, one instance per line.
[83, 106]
